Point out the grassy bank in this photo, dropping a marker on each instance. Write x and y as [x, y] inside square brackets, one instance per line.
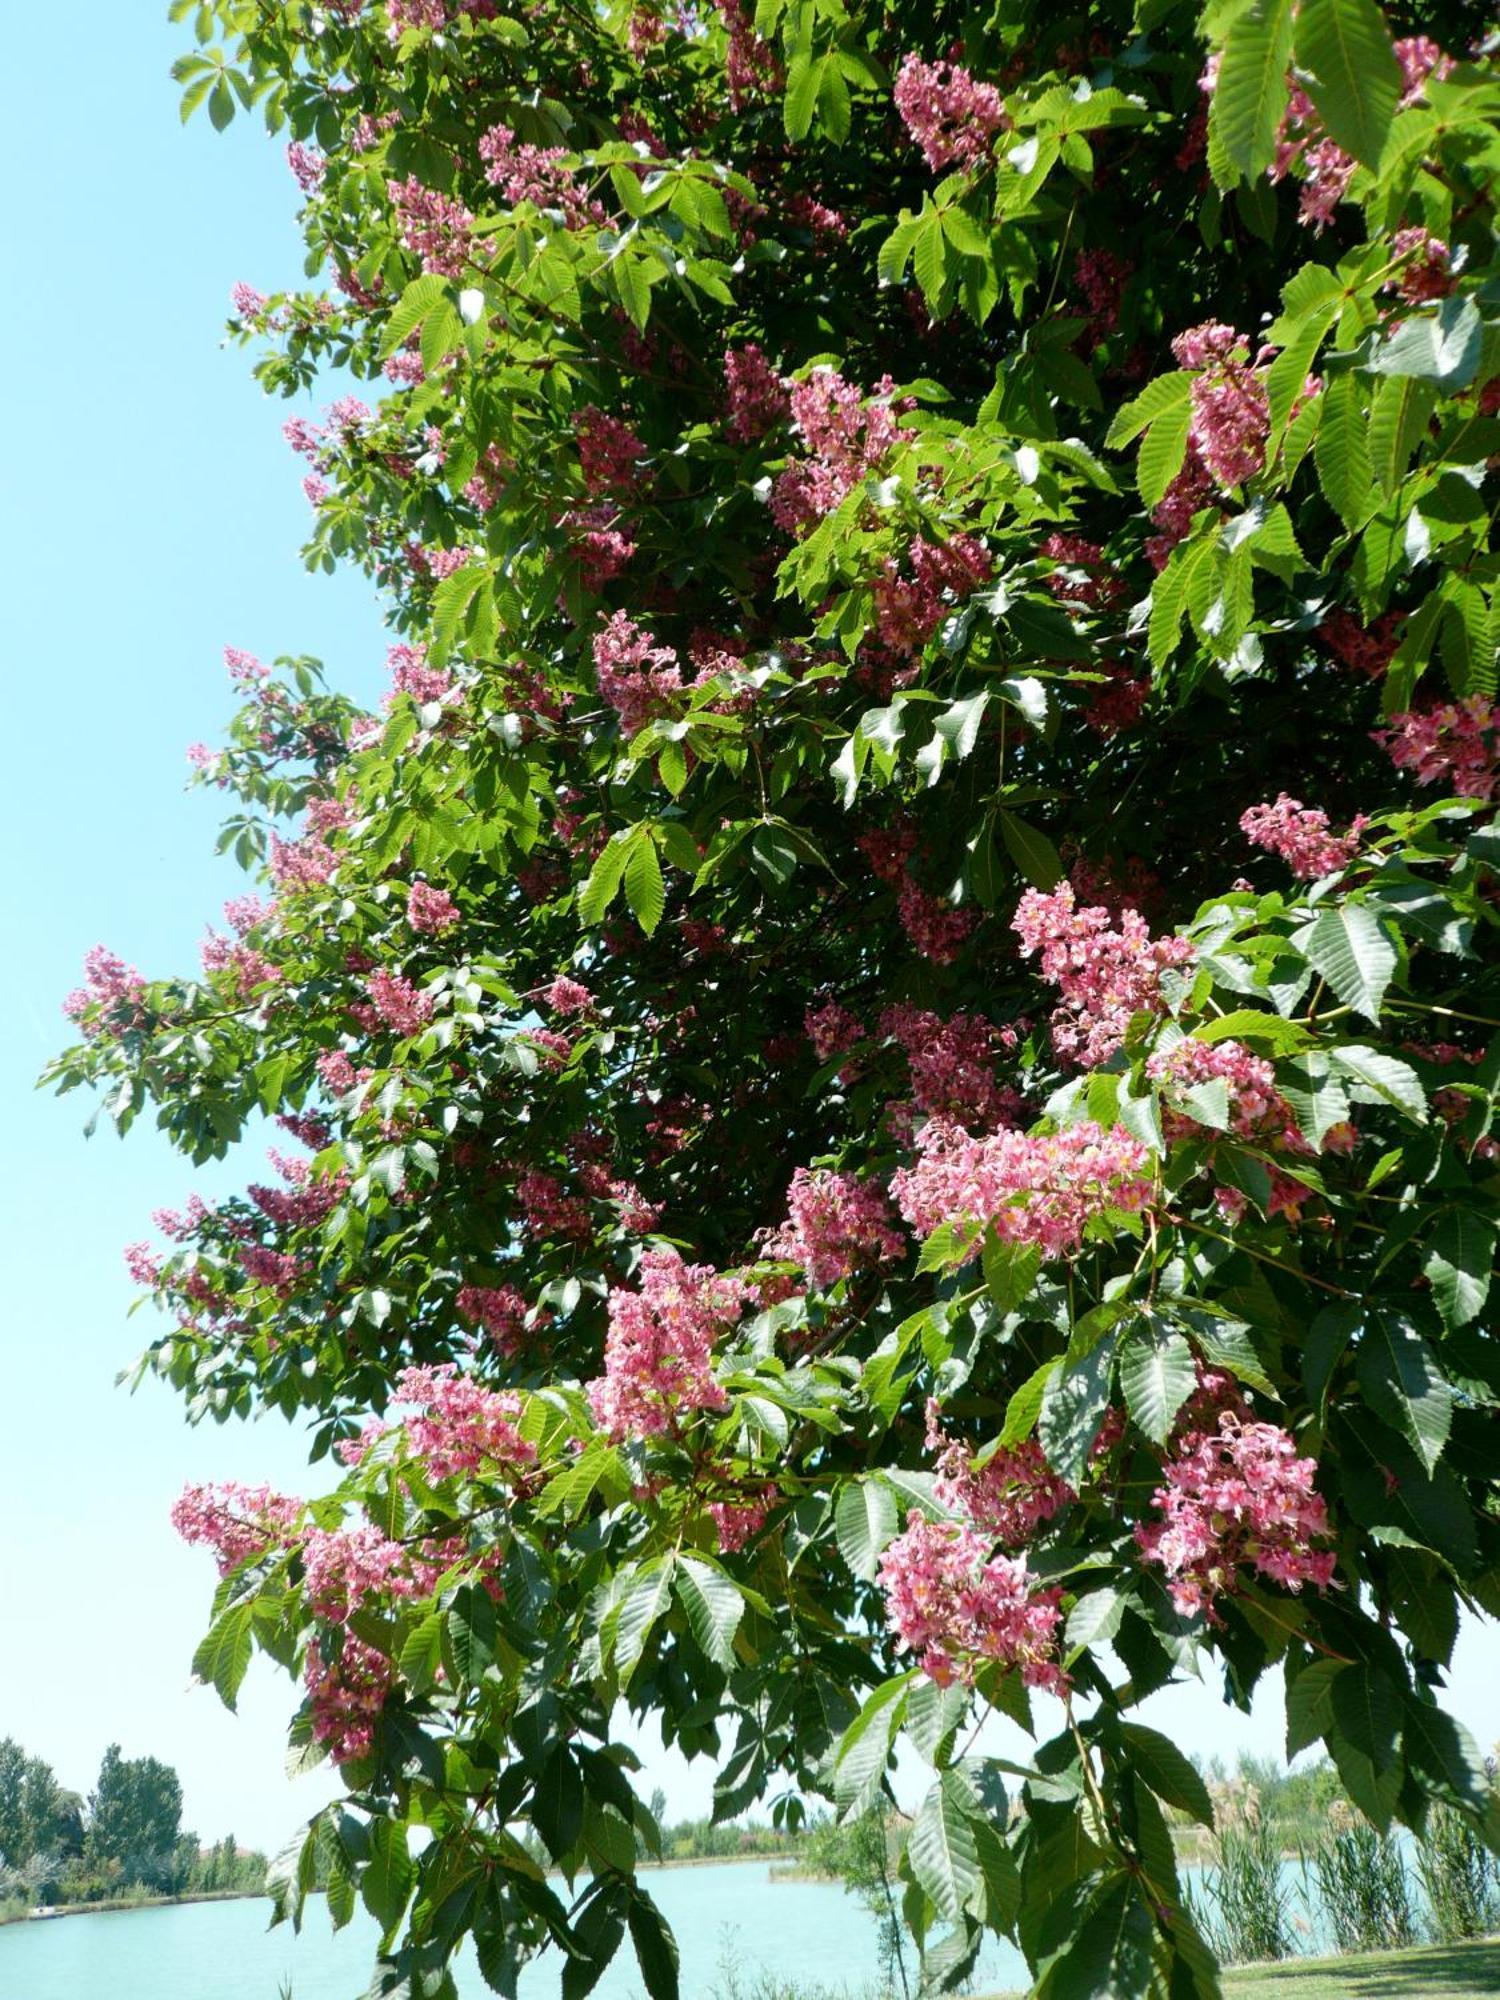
[1430, 1972]
[20, 1913]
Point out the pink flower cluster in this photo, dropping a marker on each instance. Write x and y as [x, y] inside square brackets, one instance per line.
[461, 1427]
[237, 1522]
[1231, 412]
[1366, 648]
[737, 1520]
[908, 610]
[549, 1211]
[846, 435]
[1105, 973]
[308, 863]
[1041, 1190]
[278, 1270]
[935, 929]
[756, 396]
[954, 1605]
[658, 1353]
[346, 1695]
[1426, 268]
[637, 677]
[1257, 1108]
[397, 1004]
[835, 1223]
[609, 452]
[1456, 744]
[110, 999]
[568, 996]
[430, 910]
[410, 674]
[303, 1202]
[952, 1064]
[603, 549]
[1300, 835]
[345, 1566]
[1118, 703]
[536, 174]
[751, 64]
[1082, 574]
[1236, 1496]
[433, 226]
[951, 116]
[500, 1310]
[1012, 1494]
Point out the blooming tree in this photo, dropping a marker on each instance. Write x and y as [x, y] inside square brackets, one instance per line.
[886, 1043]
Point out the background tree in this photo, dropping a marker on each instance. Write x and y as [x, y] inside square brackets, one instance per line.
[892, 1027]
[135, 1812]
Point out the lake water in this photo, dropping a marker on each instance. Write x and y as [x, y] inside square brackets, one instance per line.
[726, 1917]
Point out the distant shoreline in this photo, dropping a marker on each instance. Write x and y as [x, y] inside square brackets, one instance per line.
[110, 1905]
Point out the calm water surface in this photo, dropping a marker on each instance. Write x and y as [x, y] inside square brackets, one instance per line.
[731, 1916]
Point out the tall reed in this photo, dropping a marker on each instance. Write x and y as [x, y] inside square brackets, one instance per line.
[1362, 1885]
[1241, 1902]
[1460, 1878]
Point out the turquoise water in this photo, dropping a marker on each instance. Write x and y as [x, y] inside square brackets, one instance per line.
[731, 1916]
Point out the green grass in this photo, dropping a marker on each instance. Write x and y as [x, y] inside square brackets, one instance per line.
[1432, 1972]
[1435, 1972]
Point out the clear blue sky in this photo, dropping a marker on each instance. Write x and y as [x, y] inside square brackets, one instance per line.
[150, 514]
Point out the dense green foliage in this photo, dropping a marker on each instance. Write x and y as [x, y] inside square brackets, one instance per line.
[740, 722]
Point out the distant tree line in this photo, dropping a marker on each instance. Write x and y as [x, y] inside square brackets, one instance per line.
[124, 1840]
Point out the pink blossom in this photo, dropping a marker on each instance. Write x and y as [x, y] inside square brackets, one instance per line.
[658, 1353]
[548, 1211]
[143, 1264]
[1236, 1496]
[756, 395]
[603, 550]
[835, 1223]
[831, 1029]
[1188, 494]
[1082, 574]
[1118, 704]
[1367, 649]
[909, 610]
[951, 1063]
[737, 1520]
[1104, 973]
[277, 1270]
[304, 1201]
[1257, 1108]
[346, 1696]
[935, 929]
[400, 1005]
[410, 674]
[1041, 1190]
[1231, 417]
[637, 677]
[1300, 835]
[430, 910]
[752, 67]
[500, 1310]
[1426, 267]
[308, 166]
[247, 302]
[236, 1522]
[567, 996]
[952, 116]
[955, 1606]
[1010, 1495]
[1456, 744]
[110, 1001]
[244, 669]
[536, 174]
[462, 1427]
[344, 1567]
[433, 227]
[847, 436]
[609, 452]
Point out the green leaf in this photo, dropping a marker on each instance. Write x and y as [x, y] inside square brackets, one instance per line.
[1444, 347]
[1380, 1078]
[1251, 94]
[1352, 74]
[224, 1655]
[655, 1947]
[644, 890]
[1444, 1754]
[389, 1875]
[1074, 1401]
[1157, 1759]
[941, 1847]
[1157, 1374]
[1341, 453]
[1459, 1265]
[1162, 452]
[1110, 1957]
[1367, 1710]
[1352, 949]
[557, 1802]
[714, 1607]
[860, 1760]
[644, 1601]
[865, 1519]
[1032, 852]
[1167, 392]
[1403, 1383]
[603, 883]
[1095, 1618]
